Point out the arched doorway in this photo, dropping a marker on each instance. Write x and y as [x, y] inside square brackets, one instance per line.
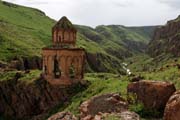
[57, 69]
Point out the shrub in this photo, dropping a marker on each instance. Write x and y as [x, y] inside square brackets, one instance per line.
[139, 108]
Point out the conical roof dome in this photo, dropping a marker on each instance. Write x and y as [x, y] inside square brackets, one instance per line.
[64, 23]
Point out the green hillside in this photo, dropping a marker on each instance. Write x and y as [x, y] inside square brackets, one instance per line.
[117, 40]
[24, 31]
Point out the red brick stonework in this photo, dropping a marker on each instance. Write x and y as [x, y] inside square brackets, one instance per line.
[63, 63]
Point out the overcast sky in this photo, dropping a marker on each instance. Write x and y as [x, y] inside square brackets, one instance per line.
[104, 12]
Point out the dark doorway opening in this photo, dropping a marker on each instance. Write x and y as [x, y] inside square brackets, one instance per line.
[57, 70]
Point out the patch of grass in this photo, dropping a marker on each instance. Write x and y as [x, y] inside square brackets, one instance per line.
[145, 113]
[171, 74]
[28, 77]
[112, 117]
[99, 84]
[7, 75]
[31, 76]
[145, 63]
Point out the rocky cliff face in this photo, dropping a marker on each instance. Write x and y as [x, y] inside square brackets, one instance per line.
[166, 39]
[19, 100]
[99, 62]
[96, 62]
[26, 63]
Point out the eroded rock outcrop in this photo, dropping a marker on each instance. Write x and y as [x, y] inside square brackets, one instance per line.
[63, 116]
[153, 94]
[107, 103]
[102, 107]
[26, 63]
[3, 64]
[166, 39]
[95, 62]
[21, 100]
[172, 110]
[99, 62]
[126, 115]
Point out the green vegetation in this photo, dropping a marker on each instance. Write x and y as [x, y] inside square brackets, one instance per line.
[162, 68]
[27, 77]
[7, 75]
[99, 84]
[171, 74]
[102, 83]
[25, 31]
[143, 62]
[139, 108]
[31, 76]
[121, 40]
[166, 41]
[112, 117]
[145, 113]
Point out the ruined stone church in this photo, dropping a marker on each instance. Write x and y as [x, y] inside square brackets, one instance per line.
[63, 62]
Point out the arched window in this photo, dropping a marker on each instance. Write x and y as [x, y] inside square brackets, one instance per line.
[66, 36]
[45, 70]
[57, 70]
[59, 39]
[72, 71]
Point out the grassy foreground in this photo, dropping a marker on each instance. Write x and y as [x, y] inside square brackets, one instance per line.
[101, 83]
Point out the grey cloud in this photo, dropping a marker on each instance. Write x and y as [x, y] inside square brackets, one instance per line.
[95, 12]
[122, 3]
[29, 2]
[172, 3]
[35, 2]
[119, 4]
[38, 2]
